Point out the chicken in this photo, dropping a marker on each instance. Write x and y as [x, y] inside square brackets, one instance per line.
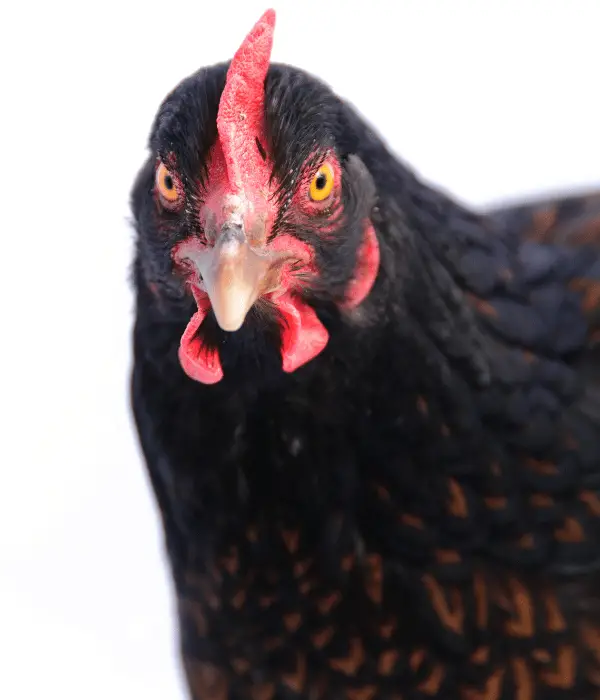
[370, 416]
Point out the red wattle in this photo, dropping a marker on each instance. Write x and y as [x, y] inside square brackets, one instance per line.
[197, 362]
[303, 335]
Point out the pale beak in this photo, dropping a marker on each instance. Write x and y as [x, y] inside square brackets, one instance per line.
[233, 274]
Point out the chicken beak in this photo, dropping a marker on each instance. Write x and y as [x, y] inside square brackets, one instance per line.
[233, 273]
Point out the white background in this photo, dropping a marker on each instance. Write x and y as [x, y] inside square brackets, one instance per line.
[490, 100]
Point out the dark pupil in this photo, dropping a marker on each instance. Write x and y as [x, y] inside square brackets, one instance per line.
[321, 181]
[168, 182]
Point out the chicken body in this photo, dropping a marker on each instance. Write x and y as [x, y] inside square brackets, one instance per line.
[415, 512]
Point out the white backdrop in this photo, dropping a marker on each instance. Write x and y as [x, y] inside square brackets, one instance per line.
[489, 100]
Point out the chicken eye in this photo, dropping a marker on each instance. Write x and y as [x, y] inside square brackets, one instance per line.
[322, 183]
[167, 187]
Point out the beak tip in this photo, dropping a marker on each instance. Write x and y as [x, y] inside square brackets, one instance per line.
[230, 327]
[230, 320]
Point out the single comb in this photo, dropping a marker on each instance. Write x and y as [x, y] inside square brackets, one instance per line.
[241, 109]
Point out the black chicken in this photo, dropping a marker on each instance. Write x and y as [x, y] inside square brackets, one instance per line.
[370, 416]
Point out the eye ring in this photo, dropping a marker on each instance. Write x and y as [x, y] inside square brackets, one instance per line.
[168, 187]
[321, 186]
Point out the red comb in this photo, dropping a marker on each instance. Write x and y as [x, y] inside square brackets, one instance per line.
[241, 109]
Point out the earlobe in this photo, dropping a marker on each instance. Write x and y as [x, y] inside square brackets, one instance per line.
[367, 267]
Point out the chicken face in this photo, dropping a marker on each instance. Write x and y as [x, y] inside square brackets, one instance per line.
[259, 206]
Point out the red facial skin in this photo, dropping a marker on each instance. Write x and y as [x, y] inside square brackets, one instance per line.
[239, 194]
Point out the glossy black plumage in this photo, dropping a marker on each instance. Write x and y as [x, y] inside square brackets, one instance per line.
[416, 512]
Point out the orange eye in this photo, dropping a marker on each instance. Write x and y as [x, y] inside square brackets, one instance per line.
[322, 183]
[167, 188]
